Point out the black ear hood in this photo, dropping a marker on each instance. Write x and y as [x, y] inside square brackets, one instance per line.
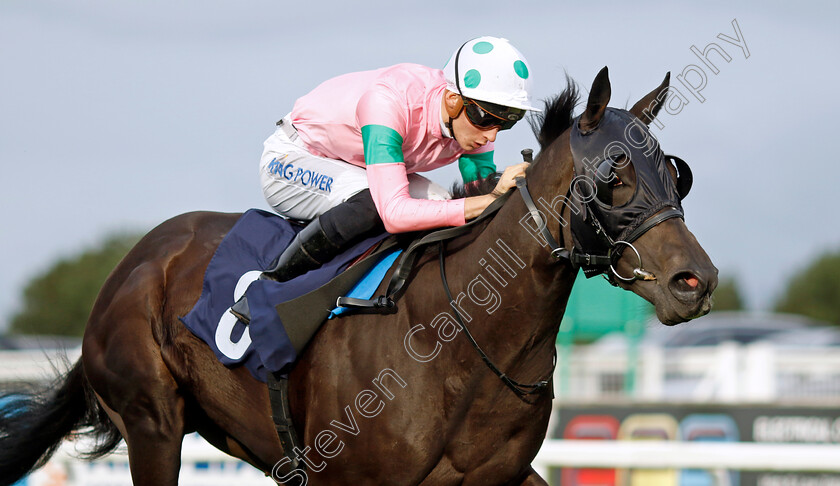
[596, 227]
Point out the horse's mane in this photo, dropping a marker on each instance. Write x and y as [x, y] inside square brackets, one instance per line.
[478, 187]
[557, 115]
[556, 118]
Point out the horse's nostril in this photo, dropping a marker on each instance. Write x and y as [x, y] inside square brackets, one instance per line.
[686, 282]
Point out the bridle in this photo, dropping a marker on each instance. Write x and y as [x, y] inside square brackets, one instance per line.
[602, 228]
[579, 258]
[600, 262]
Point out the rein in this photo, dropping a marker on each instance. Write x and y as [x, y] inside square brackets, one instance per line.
[521, 389]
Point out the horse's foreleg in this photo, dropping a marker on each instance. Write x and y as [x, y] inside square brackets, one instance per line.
[533, 479]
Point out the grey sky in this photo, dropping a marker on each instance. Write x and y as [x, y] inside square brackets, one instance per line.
[119, 115]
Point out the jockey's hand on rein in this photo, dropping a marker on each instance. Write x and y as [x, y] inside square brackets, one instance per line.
[508, 179]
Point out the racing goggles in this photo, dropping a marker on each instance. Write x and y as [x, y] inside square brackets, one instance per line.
[485, 116]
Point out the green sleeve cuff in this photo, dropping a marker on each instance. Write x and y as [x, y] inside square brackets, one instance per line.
[383, 145]
[476, 166]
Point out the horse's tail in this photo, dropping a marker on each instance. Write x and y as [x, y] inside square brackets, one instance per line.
[33, 424]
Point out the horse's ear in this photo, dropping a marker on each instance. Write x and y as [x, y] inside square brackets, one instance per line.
[599, 96]
[647, 108]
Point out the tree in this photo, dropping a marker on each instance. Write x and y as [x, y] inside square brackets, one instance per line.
[59, 301]
[727, 296]
[815, 290]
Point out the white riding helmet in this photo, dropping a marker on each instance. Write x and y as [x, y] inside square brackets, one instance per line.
[490, 69]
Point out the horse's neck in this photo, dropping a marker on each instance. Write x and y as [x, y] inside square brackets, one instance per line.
[508, 284]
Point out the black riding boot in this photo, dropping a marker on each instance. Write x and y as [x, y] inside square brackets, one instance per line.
[322, 240]
[309, 249]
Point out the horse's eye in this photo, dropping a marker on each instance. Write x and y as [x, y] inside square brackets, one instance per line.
[607, 181]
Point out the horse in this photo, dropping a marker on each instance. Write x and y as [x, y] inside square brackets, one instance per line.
[399, 398]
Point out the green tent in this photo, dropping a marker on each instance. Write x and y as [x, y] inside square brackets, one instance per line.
[597, 308]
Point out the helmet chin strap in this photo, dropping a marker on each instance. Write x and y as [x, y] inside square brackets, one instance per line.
[451, 117]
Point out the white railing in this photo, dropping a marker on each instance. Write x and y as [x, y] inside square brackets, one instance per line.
[727, 373]
[744, 456]
[206, 466]
[35, 365]
[201, 465]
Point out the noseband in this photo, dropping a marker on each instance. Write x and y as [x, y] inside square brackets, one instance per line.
[582, 259]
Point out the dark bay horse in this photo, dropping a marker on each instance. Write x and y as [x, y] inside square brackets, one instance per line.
[399, 399]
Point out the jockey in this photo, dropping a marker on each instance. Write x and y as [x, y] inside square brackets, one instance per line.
[347, 156]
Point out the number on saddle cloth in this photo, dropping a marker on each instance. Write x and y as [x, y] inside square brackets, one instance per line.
[247, 249]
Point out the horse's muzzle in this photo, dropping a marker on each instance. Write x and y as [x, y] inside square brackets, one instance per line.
[693, 289]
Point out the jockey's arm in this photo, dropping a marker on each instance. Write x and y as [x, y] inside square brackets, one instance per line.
[388, 182]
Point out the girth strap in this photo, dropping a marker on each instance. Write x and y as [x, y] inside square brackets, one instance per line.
[278, 394]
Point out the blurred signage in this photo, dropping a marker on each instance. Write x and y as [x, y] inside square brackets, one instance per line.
[693, 422]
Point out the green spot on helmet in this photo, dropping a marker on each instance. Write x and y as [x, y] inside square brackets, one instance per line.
[490, 69]
[521, 69]
[482, 47]
[472, 79]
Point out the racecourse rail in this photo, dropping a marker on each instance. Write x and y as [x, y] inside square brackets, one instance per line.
[745, 456]
[205, 465]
